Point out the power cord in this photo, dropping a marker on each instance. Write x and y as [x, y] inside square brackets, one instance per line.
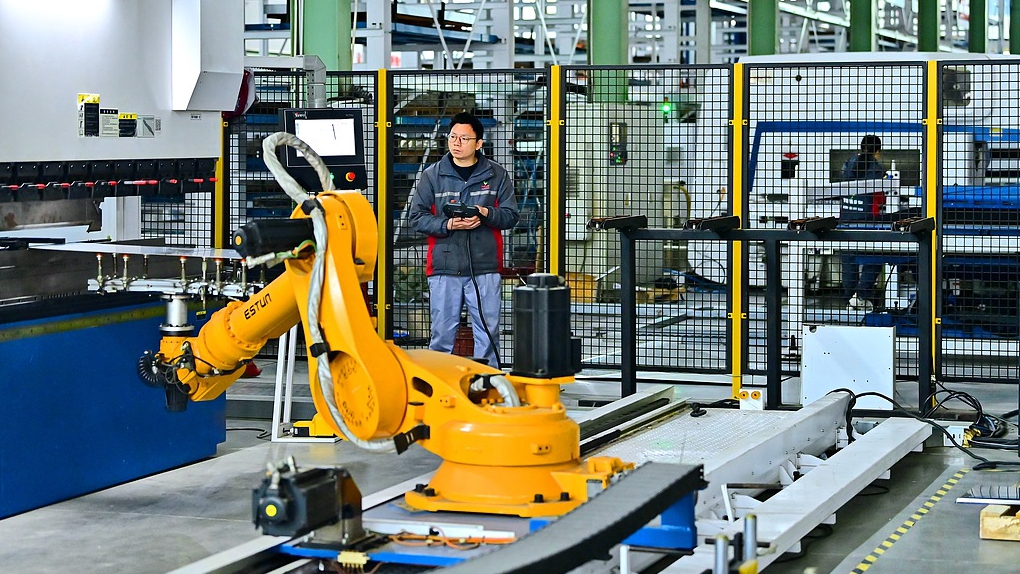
[263, 433]
[478, 301]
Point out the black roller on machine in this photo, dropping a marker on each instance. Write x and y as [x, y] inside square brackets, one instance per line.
[543, 346]
[261, 236]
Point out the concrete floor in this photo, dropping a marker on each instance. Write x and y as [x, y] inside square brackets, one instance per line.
[943, 540]
[171, 519]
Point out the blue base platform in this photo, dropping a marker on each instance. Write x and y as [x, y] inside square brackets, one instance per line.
[75, 417]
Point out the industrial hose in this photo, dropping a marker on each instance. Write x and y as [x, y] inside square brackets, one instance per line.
[300, 196]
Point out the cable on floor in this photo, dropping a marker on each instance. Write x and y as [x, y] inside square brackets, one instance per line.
[983, 463]
[263, 433]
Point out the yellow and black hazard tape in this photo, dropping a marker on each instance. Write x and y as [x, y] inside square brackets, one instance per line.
[909, 523]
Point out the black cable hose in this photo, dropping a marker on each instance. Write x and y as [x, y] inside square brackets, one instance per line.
[993, 446]
[961, 396]
[263, 433]
[478, 300]
[984, 464]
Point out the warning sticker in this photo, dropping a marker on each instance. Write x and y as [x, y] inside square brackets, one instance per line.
[109, 123]
[146, 126]
[127, 124]
[88, 115]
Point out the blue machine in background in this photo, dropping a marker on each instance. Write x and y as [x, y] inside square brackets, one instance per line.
[76, 418]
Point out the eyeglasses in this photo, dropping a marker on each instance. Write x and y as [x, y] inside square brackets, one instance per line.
[462, 139]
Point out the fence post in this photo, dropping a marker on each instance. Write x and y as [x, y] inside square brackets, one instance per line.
[384, 214]
[556, 246]
[929, 343]
[221, 212]
[736, 279]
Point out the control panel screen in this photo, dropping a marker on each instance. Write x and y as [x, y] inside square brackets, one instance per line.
[328, 137]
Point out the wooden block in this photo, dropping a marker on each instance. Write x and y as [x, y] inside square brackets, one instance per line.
[1000, 522]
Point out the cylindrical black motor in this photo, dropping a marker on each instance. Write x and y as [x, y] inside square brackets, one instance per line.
[261, 236]
[542, 344]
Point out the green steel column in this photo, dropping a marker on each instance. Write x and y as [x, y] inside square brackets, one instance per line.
[929, 21]
[608, 45]
[326, 32]
[862, 26]
[762, 27]
[978, 31]
[1014, 27]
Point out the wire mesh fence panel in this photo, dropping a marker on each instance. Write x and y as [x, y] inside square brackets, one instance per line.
[512, 107]
[253, 191]
[179, 208]
[979, 299]
[843, 142]
[182, 219]
[648, 141]
[358, 91]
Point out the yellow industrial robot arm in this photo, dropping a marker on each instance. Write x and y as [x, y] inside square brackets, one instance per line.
[203, 366]
[506, 442]
[317, 281]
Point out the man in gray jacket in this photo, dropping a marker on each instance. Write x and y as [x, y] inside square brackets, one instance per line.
[462, 203]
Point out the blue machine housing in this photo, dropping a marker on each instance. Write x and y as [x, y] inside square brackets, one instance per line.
[76, 417]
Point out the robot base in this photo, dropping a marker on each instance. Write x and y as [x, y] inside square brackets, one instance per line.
[527, 491]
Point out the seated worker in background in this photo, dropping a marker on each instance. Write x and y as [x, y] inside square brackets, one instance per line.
[859, 279]
[465, 254]
[865, 164]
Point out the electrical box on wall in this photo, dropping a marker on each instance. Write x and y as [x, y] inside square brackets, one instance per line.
[618, 143]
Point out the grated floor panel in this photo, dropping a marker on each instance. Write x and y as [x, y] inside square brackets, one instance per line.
[692, 440]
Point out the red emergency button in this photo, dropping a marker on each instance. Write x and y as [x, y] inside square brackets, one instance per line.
[349, 176]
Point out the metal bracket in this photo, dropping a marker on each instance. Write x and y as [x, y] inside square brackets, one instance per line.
[814, 225]
[716, 224]
[617, 222]
[915, 225]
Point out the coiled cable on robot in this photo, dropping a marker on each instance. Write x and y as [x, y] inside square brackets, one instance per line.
[294, 190]
[148, 372]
